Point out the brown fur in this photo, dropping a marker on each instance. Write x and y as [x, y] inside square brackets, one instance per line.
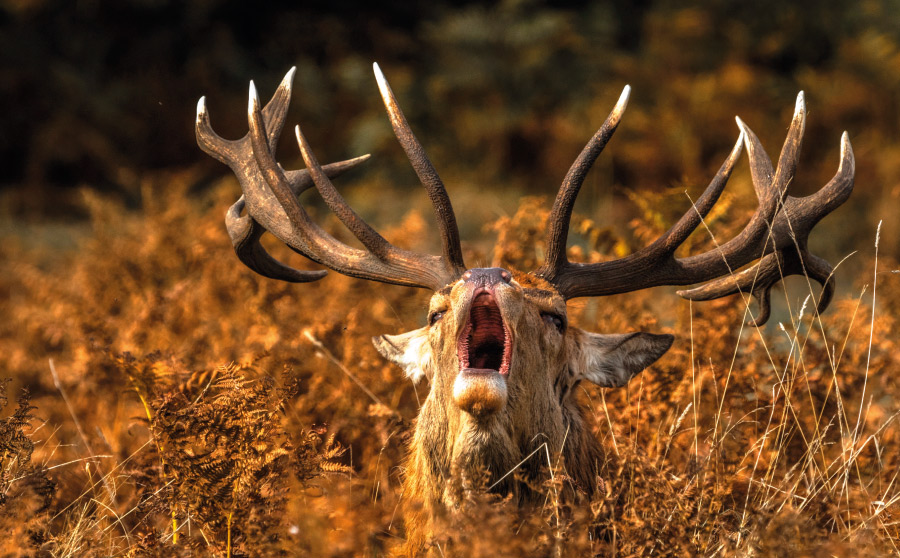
[453, 452]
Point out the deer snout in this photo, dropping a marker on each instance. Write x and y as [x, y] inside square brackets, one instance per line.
[484, 345]
[486, 277]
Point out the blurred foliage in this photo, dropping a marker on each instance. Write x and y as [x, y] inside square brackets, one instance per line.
[503, 94]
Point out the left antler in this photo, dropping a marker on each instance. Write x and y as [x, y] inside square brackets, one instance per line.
[270, 199]
[776, 234]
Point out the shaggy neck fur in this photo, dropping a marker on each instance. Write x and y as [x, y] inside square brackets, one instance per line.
[452, 453]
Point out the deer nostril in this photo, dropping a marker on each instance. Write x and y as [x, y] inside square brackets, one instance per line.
[486, 277]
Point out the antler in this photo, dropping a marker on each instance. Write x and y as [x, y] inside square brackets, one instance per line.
[270, 199]
[776, 235]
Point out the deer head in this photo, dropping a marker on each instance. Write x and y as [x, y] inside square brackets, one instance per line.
[498, 350]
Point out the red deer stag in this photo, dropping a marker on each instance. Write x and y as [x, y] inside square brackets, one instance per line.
[501, 357]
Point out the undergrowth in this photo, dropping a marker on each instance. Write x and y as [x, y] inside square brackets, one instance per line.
[194, 408]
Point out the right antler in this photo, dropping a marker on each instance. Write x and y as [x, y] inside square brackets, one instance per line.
[776, 234]
[270, 198]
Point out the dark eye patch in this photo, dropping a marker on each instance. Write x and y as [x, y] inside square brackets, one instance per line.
[435, 317]
[555, 320]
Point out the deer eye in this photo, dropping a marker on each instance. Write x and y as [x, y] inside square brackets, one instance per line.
[434, 317]
[555, 320]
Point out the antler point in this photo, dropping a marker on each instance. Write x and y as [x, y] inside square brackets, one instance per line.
[745, 130]
[623, 99]
[846, 150]
[382, 81]
[254, 98]
[305, 151]
[201, 109]
[800, 106]
[289, 78]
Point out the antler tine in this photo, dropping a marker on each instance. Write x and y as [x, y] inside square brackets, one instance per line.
[244, 230]
[274, 114]
[771, 190]
[776, 235]
[790, 150]
[209, 141]
[304, 235]
[561, 214]
[428, 176]
[759, 279]
[839, 188]
[673, 238]
[370, 238]
[790, 235]
[574, 280]
[277, 108]
[245, 233]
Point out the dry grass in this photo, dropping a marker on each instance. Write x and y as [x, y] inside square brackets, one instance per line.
[197, 409]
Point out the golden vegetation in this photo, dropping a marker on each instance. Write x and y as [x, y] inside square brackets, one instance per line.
[194, 408]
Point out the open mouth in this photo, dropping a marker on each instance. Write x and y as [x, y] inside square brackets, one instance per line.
[485, 344]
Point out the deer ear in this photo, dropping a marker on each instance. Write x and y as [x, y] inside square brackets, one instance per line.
[612, 360]
[408, 350]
